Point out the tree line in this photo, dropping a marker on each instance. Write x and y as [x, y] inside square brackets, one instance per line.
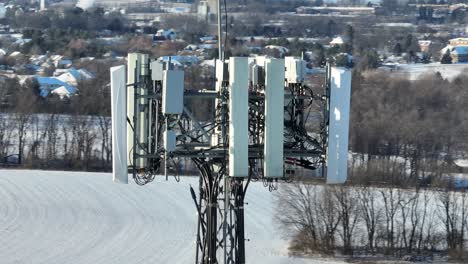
[54, 133]
[415, 224]
[407, 133]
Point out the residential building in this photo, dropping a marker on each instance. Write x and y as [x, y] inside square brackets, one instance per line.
[458, 49]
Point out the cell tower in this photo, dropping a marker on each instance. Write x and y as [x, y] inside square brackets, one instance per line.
[260, 121]
[261, 127]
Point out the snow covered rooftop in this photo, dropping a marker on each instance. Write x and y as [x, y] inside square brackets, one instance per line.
[64, 91]
[48, 85]
[281, 49]
[462, 163]
[458, 50]
[72, 76]
[337, 41]
[180, 59]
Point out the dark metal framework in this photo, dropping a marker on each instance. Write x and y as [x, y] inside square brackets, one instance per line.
[220, 199]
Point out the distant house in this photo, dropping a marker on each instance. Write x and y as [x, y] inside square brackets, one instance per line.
[38, 59]
[72, 76]
[209, 40]
[424, 45]
[164, 34]
[64, 83]
[181, 60]
[459, 54]
[281, 50]
[191, 47]
[61, 62]
[48, 85]
[458, 49]
[458, 42]
[337, 10]
[338, 41]
[15, 54]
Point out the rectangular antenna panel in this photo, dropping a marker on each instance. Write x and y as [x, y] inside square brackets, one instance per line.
[295, 70]
[173, 92]
[119, 124]
[132, 73]
[221, 74]
[157, 69]
[274, 118]
[238, 117]
[338, 131]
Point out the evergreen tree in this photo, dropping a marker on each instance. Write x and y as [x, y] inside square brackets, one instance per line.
[446, 58]
[397, 49]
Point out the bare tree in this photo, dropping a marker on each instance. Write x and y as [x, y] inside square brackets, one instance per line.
[21, 125]
[370, 212]
[453, 213]
[51, 131]
[106, 148]
[329, 217]
[391, 199]
[348, 214]
[296, 214]
[6, 134]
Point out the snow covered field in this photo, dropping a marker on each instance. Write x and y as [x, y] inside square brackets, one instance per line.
[417, 71]
[78, 217]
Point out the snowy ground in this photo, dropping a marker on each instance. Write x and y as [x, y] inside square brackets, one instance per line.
[76, 217]
[418, 71]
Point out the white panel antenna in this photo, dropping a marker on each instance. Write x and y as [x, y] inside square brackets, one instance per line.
[173, 92]
[337, 152]
[157, 70]
[137, 66]
[132, 73]
[119, 121]
[222, 74]
[238, 117]
[274, 118]
[295, 69]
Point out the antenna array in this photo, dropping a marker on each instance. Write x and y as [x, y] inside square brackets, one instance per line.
[261, 122]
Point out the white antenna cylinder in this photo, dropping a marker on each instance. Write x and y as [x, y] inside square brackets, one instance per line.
[133, 72]
[119, 124]
[274, 118]
[238, 117]
[338, 131]
[142, 125]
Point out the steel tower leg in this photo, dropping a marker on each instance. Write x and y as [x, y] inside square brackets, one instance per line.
[239, 224]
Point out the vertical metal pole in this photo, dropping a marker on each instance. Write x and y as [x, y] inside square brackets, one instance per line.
[240, 234]
[326, 114]
[220, 37]
[227, 194]
[200, 217]
[135, 121]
